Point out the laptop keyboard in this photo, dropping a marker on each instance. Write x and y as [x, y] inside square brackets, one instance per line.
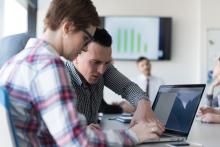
[166, 135]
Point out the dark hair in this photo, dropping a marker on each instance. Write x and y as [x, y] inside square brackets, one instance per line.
[102, 37]
[142, 58]
[81, 12]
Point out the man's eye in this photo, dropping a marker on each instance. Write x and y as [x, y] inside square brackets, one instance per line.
[108, 63]
[96, 62]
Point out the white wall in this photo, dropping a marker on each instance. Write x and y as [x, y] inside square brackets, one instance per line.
[210, 19]
[1, 16]
[42, 10]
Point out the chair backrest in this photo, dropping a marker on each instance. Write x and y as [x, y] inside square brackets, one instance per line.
[11, 45]
[7, 133]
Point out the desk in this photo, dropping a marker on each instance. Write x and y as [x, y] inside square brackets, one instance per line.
[206, 134]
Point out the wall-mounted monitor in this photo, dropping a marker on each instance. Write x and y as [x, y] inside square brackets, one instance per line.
[135, 36]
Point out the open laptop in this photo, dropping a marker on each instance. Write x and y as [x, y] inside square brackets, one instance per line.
[175, 106]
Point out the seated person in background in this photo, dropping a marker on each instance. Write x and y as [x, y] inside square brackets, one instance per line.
[209, 114]
[213, 101]
[92, 70]
[40, 93]
[149, 83]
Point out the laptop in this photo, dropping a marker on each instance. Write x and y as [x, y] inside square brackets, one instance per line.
[176, 106]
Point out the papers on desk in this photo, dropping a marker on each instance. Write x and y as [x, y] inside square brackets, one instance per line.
[124, 117]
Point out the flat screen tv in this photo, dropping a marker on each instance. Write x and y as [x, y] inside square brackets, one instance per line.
[135, 36]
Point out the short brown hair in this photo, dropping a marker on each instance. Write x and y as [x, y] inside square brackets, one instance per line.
[82, 12]
[142, 59]
[102, 37]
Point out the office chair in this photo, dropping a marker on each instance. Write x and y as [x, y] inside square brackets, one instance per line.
[11, 45]
[7, 132]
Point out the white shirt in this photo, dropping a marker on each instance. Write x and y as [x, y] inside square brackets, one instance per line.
[154, 85]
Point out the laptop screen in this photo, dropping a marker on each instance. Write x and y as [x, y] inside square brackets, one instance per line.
[176, 106]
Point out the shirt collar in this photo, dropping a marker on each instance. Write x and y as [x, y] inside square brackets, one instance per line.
[143, 77]
[34, 41]
[73, 73]
[83, 80]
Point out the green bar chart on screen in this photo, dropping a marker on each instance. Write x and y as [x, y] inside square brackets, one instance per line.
[133, 45]
[133, 37]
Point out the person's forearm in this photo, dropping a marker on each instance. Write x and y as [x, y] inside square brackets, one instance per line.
[121, 85]
[209, 98]
[217, 110]
[211, 89]
[217, 119]
[144, 103]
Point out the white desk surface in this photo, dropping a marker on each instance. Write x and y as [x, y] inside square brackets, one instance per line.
[206, 134]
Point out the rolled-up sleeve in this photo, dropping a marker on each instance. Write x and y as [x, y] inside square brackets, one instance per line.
[121, 85]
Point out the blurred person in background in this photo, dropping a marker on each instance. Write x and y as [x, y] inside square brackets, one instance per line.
[211, 114]
[148, 82]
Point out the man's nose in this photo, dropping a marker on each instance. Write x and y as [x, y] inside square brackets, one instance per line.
[101, 69]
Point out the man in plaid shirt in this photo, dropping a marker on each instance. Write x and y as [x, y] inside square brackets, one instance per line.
[40, 91]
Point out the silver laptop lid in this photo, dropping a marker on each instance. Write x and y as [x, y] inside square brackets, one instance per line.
[176, 106]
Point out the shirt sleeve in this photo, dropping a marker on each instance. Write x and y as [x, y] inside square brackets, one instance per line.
[53, 98]
[209, 98]
[109, 109]
[212, 101]
[121, 85]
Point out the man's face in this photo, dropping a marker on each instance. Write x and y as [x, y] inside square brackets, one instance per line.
[93, 63]
[144, 67]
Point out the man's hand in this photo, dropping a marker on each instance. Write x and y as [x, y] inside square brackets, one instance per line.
[126, 106]
[94, 126]
[145, 113]
[205, 110]
[210, 118]
[146, 131]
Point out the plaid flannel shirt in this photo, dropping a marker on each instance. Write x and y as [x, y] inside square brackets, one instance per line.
[42, 107]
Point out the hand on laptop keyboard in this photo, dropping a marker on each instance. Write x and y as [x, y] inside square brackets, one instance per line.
[146, 116]
[146, 131]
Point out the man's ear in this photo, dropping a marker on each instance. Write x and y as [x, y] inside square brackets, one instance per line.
[68, 27]
[76, 60]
